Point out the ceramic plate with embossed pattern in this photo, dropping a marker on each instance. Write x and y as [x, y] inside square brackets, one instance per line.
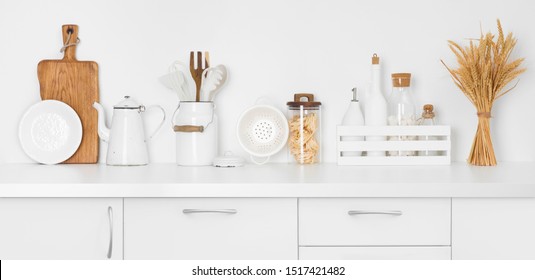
[50, 132]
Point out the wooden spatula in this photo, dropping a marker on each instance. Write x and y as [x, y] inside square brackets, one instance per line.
[196, 73]
[75, 83]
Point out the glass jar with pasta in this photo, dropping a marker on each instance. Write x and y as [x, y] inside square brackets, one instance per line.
[304, 145]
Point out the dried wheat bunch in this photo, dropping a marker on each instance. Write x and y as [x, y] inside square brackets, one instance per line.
[484, 72]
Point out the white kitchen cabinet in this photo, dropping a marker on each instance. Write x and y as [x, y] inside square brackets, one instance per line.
[375, 253]
[210, 228]
[397, 212]
[493, 228]
[61, 228]
[374, 221]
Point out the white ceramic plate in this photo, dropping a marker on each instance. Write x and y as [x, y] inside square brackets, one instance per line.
[50, 132]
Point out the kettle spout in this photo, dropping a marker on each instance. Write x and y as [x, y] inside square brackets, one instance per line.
[103, 130]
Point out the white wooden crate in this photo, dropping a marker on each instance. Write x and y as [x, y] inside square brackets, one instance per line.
[441, 135]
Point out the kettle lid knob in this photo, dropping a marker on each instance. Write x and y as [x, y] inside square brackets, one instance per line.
[128, 103]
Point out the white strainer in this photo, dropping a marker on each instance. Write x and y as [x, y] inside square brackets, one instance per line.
[262, 131]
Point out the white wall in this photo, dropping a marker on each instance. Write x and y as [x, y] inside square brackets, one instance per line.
[273, 48]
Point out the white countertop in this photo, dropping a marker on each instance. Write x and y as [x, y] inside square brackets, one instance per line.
[271, 180]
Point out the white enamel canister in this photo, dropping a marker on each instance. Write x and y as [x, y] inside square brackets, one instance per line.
[195, 126]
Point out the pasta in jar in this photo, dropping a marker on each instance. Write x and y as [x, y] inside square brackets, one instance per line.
[304, 124]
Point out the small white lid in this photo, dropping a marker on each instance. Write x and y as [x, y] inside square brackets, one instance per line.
[228, 160]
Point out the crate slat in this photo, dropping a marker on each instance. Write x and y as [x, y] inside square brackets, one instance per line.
[394, 145]
[351, 143]
[412, 130]
[412, 160]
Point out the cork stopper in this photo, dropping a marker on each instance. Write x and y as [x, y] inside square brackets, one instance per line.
[401, 79]
[428, 111]
[375, 59]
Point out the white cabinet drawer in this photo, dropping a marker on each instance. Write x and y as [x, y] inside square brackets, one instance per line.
[61, 228]
[375, 253]
[210, 228]
[374, 221]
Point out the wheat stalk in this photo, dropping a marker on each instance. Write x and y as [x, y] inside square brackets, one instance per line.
[483, 73]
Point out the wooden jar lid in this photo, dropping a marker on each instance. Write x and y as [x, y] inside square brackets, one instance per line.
[298, 101]
[401, 79]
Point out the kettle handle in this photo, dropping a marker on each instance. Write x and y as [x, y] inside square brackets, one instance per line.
[161, 123]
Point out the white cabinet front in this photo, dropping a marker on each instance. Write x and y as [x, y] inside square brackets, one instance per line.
[210, 228]
[375, 253]
[374, 221]
[493, 228]
[61, 228]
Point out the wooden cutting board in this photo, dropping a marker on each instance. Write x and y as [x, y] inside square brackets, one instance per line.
[75, 83]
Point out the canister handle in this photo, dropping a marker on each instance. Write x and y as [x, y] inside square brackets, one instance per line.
[308, 96]
[188, 128]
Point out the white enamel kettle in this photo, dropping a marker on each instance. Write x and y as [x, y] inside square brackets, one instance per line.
[127, 144]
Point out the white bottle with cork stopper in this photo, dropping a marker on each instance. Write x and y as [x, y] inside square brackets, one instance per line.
[375, 113]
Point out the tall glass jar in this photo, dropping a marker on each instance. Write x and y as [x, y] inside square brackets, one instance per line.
[401, 109]
[304, 114]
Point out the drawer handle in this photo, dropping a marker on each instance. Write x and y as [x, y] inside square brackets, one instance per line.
[364, 212]
[110, 219]
[223, 211]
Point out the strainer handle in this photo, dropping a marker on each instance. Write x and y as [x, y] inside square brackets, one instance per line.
[260, 162]
[264, 100]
